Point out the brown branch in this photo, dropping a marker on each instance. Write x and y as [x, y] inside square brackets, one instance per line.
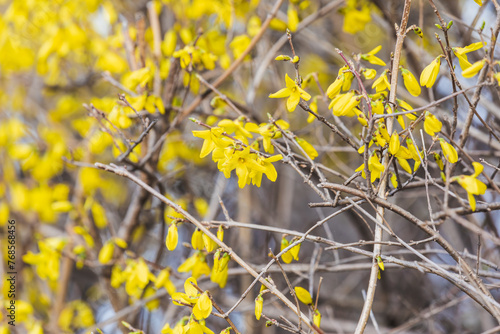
[177, 208]
[486, 299]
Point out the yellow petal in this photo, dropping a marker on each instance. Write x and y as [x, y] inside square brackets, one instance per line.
[172, 237]
[473, 69]
[317, 318]
[106, 253]
[430, 72]
[432, 124]
[308, 148]
[410, 82]
[259, 303]
[203, 307]
[303, 295]
[478, 169]
[191, 291]
[293, 101]
[472, 201]
[376, 50]
[449, 151]
[284, 92]
[394, 143]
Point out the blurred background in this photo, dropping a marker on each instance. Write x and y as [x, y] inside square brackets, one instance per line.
[63, 65]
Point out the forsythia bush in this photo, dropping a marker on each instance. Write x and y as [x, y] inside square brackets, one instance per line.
[111, 111]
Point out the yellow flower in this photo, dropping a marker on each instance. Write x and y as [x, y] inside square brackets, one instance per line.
[369, 73]
[344, 104]
[362, 170]
[375, 167]
[211, 140]
[189, 287]
[432, 124]
[220, 233]
[47, 262]
[308, 148]
[355, 20]
[163, 281]
[191, 295]
[371, 58]
[137, 276]
[410, 82]
[404, 163]
[438, 160]
[348, 77]
[317, 318]
[303, 295]
[415, 153]
[382, 83]
[461, 53]
[479, 2]
[76, 314]
[314, 107]
[449, 151]
[378, 107]
[394, 180]
[394, 143]
[430, 72]
[473, 69]
[152, 304]
[295, 251]
[335, 87]
[220, 268]
[253, 25]
[203, 307]
[197, 240]
[269, 170]
[244, 163]
[169, 43]
[210, 245]
[197, 264]
[166, 329]
[237, 127]
[120, 242]
[472, 185]
[380, 263]
[239, 44]
[259, 304]
[361, 117]
[287, 256]
[293, 18]
[172, 237]
[293, 92]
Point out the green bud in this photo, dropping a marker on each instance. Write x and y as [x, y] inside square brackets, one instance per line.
[449, 25]
[438, 26]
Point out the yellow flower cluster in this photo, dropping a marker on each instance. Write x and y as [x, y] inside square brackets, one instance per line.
[471, 184]
[47, 261]
[140, 281]
[235, 153]
[76, 315]
[357, 14]
[201, 304]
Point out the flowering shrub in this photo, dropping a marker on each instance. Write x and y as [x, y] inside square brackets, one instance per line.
[135, 137]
